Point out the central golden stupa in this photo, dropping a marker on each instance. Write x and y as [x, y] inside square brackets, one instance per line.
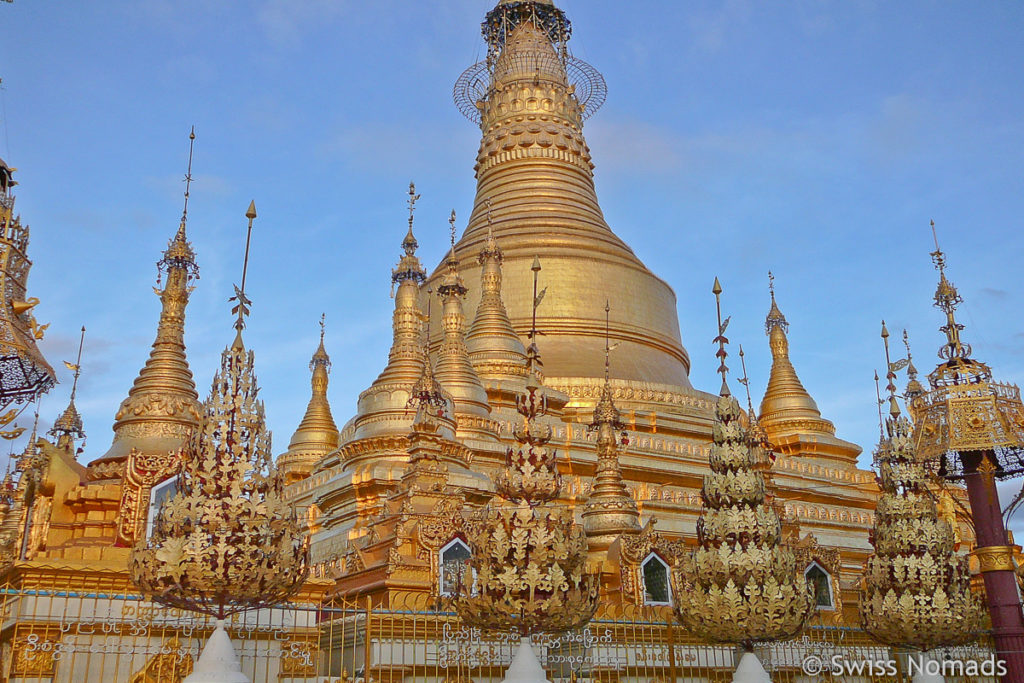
[535, 169]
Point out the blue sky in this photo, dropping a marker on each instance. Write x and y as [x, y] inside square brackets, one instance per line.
[812, 138]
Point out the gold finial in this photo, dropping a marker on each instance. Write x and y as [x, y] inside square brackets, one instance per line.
[947, 299]
[413, 198]
[409, 244]
[775, 317]
[188, 173]
[242, 308]
[914, 388]
[721, 340]
[323, 320]
[890, 375]
[453, 263]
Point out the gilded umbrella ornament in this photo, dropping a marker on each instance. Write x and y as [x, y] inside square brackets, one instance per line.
[917, 590]
[528, 570]
[741, 585]
[24, 373]
[227, 541]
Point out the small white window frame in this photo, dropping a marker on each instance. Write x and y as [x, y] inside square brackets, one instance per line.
[831, 593]
[153, 493]
[440, 563]
[654, 557]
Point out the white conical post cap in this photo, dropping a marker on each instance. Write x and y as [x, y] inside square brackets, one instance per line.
[750, 670]
[525, 668]
[922, 674]
[218, 662]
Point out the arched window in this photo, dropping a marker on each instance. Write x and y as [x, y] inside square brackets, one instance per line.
[822, 583]
[453, 561]
[657, 589]
[158, 495]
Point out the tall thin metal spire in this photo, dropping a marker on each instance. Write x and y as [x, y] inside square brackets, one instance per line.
[78, 364]
[188, 173]
[880, 402]
[721, 339]
[241, 309]
[890, 375]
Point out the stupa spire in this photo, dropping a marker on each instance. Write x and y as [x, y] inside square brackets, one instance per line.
[382, 407]
[786, 402]
[495, 349]
[317, 433]
[68, 426]
[162, 408]
[454, 370]
[611, 511]
[534, 172]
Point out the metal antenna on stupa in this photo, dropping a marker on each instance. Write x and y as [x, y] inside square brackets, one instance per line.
[68, 426]
[241, 309]
[880, 402]
[721, 339]
[77, 367]
[188, 173]
[533, 362]
[745, 381]
[890, 375]
[914, 387]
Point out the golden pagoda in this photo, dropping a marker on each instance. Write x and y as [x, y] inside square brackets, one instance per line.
[387, 490]
[316, 435]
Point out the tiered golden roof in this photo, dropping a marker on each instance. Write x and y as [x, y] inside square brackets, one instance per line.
[317, 434]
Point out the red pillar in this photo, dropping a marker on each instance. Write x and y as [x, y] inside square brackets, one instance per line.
[996, 559]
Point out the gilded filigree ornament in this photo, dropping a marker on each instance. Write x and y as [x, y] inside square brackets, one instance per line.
[227, 541]
[917, 590]
[741, 585]
[528, 569]
[965, 409]
[24, 373]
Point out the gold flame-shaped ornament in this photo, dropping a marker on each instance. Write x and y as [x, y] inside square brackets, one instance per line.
[741, 585]
[226, 541]
[917, 590]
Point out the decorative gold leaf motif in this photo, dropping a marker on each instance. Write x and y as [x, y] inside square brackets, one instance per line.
[528, 554]
[227, 541]
[740, 585]
[917, 591]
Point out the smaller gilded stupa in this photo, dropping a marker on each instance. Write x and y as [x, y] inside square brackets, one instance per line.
[610, 512]
[317, 434]
[741, 585]
[917, 590]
